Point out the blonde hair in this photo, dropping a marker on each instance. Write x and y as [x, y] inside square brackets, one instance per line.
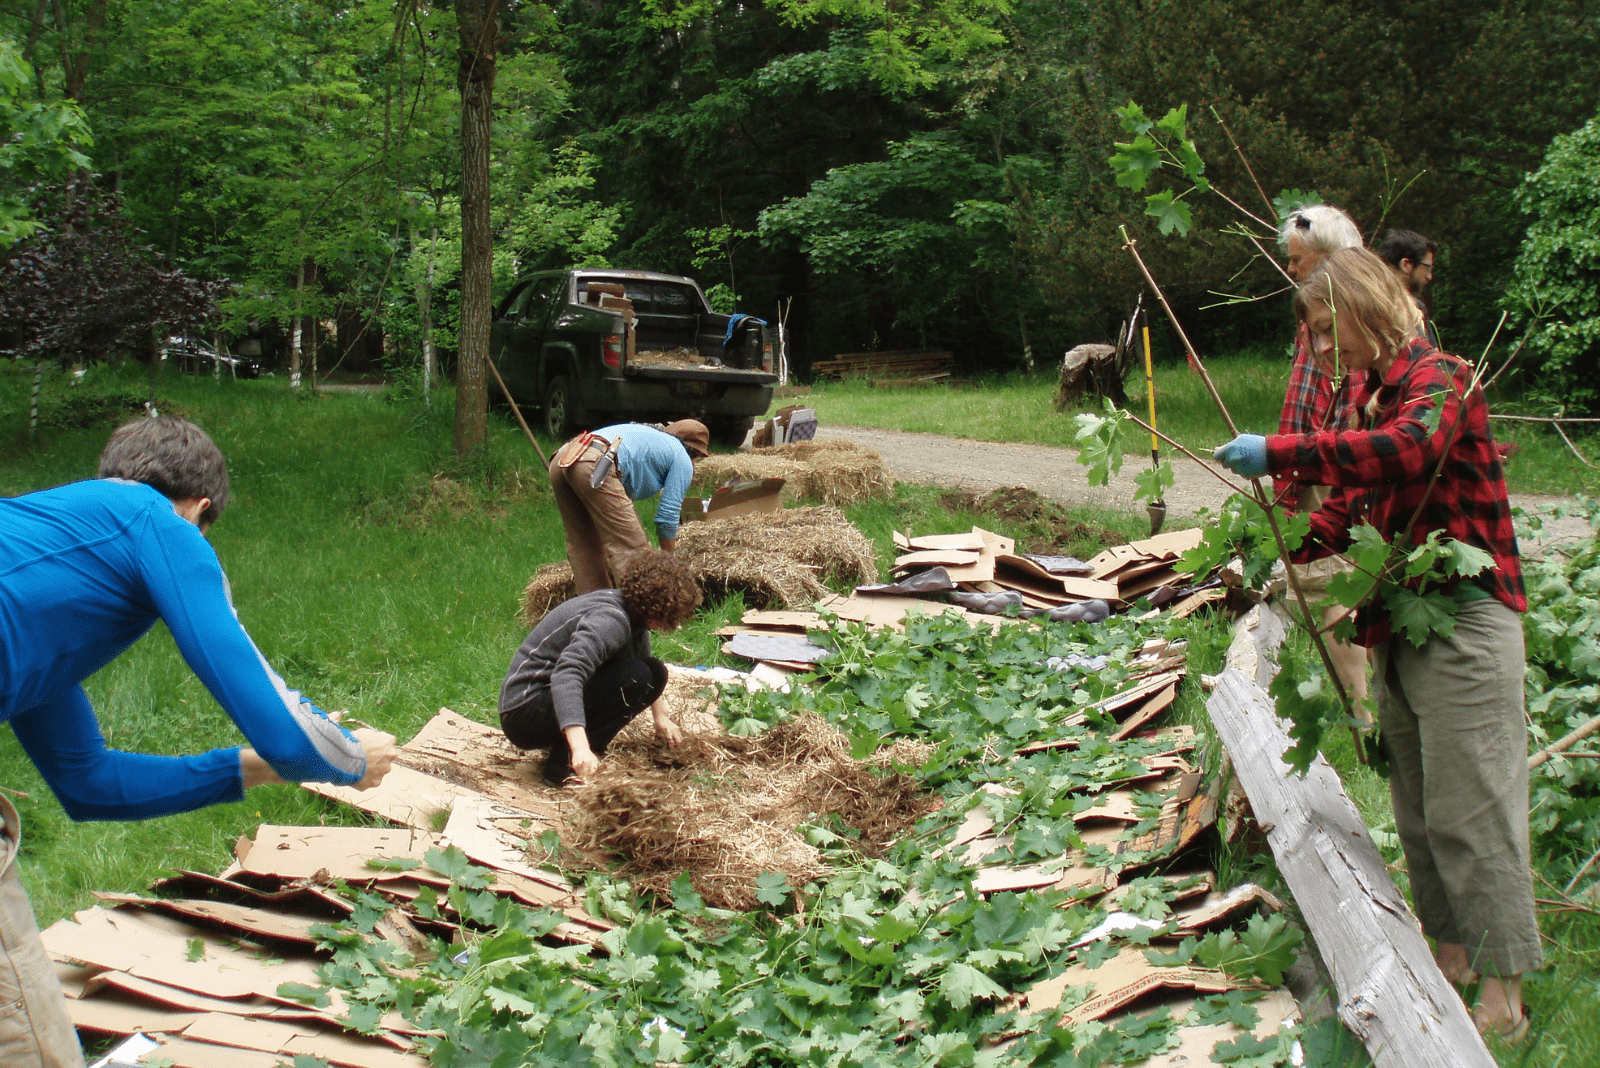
[1367, 299]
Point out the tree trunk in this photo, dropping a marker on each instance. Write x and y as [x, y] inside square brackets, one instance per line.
[295, 330]
[33, 407]
[478, 25]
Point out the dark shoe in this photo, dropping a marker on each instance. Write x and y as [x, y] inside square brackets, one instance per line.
[557, 769]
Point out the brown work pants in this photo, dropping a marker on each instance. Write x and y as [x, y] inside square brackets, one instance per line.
[1452, 722]
[602, 526]
[35, 1029]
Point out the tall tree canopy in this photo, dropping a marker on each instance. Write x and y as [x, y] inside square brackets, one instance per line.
[909, 174]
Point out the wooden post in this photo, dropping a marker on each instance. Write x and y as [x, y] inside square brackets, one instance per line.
[1391, 994]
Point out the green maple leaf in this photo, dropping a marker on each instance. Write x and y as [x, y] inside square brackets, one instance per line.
[1233, 1008]
[1248, 1051]
[364, 1017]
[309, 995]
[194, 950]
[1170, 213]
[684, 897]
[1175, 122]
[1466, 560]
[453, 864]
[1289, 201]
[1133, 118]
[962, 984]
[1420, 615]
[393, 863]
[1153, 482]
[1136, 162]
[1099, 439]
[772, 888]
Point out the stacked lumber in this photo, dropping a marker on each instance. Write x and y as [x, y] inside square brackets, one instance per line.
[916, 364]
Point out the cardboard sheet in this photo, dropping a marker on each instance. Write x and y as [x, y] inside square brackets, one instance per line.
[743, 498]
[236, 919]
[406, 796]
[1120, 981]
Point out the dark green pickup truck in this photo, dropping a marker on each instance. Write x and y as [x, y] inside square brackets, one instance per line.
[592, 347]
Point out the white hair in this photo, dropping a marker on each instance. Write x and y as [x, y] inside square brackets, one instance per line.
[1320, 228]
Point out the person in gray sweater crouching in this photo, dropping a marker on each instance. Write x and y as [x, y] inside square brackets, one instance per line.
[586, 670]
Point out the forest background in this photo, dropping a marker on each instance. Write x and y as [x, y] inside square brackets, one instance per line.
[927, 174]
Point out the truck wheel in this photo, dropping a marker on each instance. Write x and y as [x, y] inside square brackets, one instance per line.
[560, 420]
[731, 432]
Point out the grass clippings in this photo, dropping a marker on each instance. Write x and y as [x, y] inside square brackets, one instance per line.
[834, 472]
[783, 558]
[1041, 525]
[726, 810]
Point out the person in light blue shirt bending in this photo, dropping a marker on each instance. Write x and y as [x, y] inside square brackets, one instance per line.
[596, 478]
[85, 570]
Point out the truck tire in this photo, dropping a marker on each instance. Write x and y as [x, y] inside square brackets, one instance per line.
[560, 417]
[731, 432]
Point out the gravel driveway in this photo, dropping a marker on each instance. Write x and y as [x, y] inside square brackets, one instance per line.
[1055, 473]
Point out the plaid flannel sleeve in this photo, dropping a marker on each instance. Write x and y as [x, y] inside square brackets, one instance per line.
[1305, 407]
[1428, 405]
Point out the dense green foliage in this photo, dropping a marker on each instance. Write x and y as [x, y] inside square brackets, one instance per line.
[1558, 270]
[931, 174]
[892, 960]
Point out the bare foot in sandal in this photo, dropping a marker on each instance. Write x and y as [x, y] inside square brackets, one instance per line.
[1500, 1012]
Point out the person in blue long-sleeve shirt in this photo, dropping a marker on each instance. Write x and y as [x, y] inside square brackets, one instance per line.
[85, 570]
[597, 476]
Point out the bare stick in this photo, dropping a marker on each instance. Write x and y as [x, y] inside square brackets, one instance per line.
[1582, 872]
[517, 412]
[1271, 259]
[1271, 207]
[1514, 353]
[1554, 748]
[1542, 418]
[1571, 446]
[1243, 210]
[1205, 376]
[1218, 475]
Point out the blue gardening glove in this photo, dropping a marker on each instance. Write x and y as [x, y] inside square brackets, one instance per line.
[1245, 455]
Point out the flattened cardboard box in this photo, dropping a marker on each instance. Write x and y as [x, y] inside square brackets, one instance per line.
[1120, 981]
[742, 498]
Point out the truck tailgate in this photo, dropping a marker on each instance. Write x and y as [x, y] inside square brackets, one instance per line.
[719, 375]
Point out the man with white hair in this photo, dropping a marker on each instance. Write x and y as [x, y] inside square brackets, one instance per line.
[1316, 402]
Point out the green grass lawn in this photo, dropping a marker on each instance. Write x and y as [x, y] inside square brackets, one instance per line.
[1018, 408]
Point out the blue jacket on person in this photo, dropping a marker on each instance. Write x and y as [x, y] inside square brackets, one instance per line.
[85, 570]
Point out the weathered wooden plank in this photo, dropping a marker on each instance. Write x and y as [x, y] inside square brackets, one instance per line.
[1391, 994]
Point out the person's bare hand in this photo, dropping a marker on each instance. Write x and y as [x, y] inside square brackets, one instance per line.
[380, 750]
[669, 732]
[584, 762]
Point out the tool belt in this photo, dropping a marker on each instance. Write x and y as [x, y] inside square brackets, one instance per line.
[573, 450]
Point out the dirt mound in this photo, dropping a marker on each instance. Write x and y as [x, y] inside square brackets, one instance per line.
[725, 810]
[1041, 525]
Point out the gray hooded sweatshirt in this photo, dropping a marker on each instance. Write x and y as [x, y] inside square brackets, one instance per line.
[564, 651]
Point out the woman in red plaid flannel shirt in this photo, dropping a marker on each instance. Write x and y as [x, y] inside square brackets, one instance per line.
[1451, 710]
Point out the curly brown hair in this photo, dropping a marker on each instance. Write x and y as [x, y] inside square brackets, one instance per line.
[658, 587]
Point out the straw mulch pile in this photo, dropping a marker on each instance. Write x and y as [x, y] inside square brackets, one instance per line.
[833, 472]
[725, 809]
[773, 558]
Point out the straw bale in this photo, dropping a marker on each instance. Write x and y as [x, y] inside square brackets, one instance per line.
[725, 809]
[785, 557]
[833, 472]
[550, 585]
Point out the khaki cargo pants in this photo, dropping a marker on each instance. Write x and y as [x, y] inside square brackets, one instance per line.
[35, 1030]
[1453, 725]
[602, 526]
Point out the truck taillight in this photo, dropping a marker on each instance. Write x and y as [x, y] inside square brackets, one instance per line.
[611, 350]
[766, 356]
